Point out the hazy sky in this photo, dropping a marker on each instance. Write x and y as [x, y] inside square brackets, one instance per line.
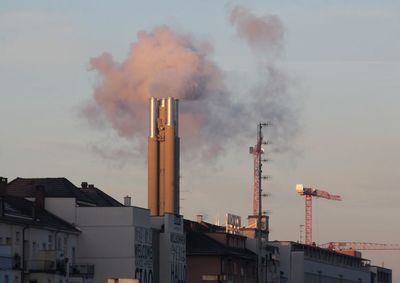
[342, 59]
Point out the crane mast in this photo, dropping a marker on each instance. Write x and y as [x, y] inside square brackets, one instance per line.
[308, 194]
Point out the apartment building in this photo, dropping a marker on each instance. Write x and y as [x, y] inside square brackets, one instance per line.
[36, 245]
[307, 264]
[115, 240]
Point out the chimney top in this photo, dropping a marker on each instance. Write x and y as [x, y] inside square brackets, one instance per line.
[127, 201]
[3, 186]
[199, 218]
[84, 185]
[39, 197]
[91, 186]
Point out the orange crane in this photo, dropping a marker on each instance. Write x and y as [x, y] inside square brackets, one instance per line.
[338, 246]
[308, 194]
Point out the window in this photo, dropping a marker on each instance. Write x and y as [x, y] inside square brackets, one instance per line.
[50, 242]
[44, 246]
[59, 248]
[1, 240]
[73, 255]
[8, 241]
[17, 237]
[34, 247]
[6, 279]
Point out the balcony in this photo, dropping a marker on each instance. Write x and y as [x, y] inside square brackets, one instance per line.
[45, 255]
[46, 261]
[40, 265]
[82, 270]
[6, 258]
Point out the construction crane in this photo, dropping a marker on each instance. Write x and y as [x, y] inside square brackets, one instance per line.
[308, 194]
[339, 246]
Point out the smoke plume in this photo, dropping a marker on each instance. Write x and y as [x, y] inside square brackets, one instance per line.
[263, 33]
[271, 100]
[164, 63]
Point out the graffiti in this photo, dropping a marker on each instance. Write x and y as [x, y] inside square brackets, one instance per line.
[144, 276]
[178, 255]
[178, 273]
[143, 255]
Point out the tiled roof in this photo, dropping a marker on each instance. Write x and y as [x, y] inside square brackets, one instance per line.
[20, 211]
[60, 188]
[54, 187]
[99, 197]
[199, 243]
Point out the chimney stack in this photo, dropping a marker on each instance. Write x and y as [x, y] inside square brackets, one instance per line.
[127, 201]
[39, 198]
[3, 186]
[3, 193]
[163, 157]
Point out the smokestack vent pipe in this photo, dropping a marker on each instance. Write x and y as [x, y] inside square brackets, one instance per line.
[176, 117]
[162, 102]
[153, 117]
[163, 157]
[170, 111]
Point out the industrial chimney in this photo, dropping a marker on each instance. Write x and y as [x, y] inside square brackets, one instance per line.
[163, 157]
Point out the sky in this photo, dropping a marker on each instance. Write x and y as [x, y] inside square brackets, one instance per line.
[340, 62]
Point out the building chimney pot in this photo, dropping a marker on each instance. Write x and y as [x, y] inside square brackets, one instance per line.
[91, 186]
[199, 218]
[2, 205]
[3, 193]
[3, 186]
[39, 198]
[84, 185]
[127, 201]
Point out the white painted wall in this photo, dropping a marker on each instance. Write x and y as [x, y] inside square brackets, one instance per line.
[62, 207]
[334, 271]
[108, 241]
[295, 267]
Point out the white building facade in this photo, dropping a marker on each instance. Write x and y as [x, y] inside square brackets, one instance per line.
[35, 246]
[308, 264]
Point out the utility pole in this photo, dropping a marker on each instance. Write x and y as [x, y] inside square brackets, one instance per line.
[260, 236]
